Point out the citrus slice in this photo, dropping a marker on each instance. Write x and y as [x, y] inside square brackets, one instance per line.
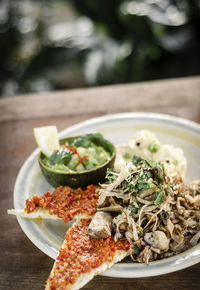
[47, 139]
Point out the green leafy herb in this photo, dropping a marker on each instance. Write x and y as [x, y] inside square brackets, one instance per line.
[110, 176]
[157, 170]
[153, 148]
[159, 177]
[170, 184]
[128, 185]
[97, 138]
[161, 165]
[167, 190]
[136, 160]
[143, 182]
[158, 196]
[134, 207]
[129, 182]
[62, 156]
[140, 162]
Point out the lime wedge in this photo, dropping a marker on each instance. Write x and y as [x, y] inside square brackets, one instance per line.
[47, 139]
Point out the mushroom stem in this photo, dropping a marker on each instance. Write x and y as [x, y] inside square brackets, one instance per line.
[100, 226]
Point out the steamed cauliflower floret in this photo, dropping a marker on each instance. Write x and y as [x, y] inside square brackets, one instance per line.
[146, 145]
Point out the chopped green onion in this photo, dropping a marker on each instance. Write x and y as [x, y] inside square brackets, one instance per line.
[158, 196]
[127, 156]
[153, 148]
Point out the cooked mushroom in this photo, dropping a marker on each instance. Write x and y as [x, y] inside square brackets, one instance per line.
[113, 206]
[100, 226]
[116, 208]
[123, 226]
[157, 240]
[145, 255]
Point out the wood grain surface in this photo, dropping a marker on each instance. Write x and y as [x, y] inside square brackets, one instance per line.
[22, 265]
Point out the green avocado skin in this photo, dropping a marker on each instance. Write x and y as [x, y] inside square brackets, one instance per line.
[77, 180]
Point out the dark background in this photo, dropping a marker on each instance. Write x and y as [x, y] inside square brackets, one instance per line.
[57, 44]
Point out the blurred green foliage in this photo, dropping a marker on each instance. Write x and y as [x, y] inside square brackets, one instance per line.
[52, 45]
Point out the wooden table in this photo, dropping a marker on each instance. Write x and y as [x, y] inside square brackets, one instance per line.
[22, 265]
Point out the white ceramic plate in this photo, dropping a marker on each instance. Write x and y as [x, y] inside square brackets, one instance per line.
[48, 235]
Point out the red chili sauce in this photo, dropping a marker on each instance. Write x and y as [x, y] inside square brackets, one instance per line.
[66, 202]
[80, 254]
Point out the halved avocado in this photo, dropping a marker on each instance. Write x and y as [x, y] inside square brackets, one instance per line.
[78, 179]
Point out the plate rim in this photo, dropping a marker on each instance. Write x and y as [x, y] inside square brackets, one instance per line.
[148, 115]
